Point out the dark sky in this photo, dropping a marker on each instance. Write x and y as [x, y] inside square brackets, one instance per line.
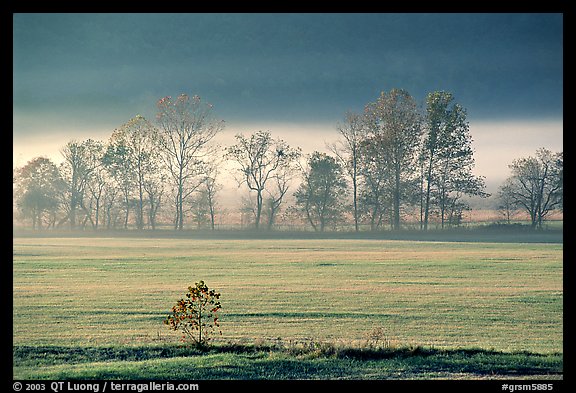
[82, 75]
[286, 66]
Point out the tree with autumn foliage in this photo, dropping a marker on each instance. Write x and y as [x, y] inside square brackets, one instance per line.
[197, 315]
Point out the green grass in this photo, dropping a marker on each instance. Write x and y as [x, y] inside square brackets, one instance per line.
[319, 361]
[102, 292]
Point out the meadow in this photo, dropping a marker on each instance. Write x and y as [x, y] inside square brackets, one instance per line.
[312, 298]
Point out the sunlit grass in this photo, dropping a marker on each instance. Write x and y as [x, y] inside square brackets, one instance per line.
[98, 291]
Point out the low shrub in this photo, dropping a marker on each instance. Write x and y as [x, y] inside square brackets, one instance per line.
[196, 316]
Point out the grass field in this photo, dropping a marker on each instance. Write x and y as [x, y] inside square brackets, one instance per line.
[95, 293]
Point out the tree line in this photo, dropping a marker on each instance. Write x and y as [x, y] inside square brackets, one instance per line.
[391, 160]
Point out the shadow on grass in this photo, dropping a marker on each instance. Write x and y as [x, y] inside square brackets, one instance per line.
[486, 233]
[310, 360]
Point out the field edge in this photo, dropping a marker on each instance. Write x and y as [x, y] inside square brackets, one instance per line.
[316, 361]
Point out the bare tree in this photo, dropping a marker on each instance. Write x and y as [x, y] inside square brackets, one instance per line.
[507, 205]
[76, 171]
[204, 203]
[261, 159]
[536, 184]
[375, 197]
[280, 184]
[186, 127]
[96, 183]
[118, 162]
[154, 188]
[210, 188]
[111, 203]
[348, 152]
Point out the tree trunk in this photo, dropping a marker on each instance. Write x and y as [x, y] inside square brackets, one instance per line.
[355, 191]
[141, 207]
[258, 208]
[427, 203]
[179, 207]
[127, 211]
[397, 200]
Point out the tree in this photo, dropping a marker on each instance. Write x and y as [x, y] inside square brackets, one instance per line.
[261, 159]
[76, 170]
[96, 183]
[394, 126]
[118, 161]
[376, 184]
[348, 152]
[136, 143]
[199, 208]
[210, 189]
[111, 203]
[321, 195]
[204, 203]
[447, 158]
[154, 188]
[197, 315]
[281, 181]
[507, 205]
[186, 127]
[36, 189]
[536, 184]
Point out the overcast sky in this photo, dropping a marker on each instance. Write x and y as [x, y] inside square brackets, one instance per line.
[82, 75]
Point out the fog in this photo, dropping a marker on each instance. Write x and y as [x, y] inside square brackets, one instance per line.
[80, 76]
[496, 143]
